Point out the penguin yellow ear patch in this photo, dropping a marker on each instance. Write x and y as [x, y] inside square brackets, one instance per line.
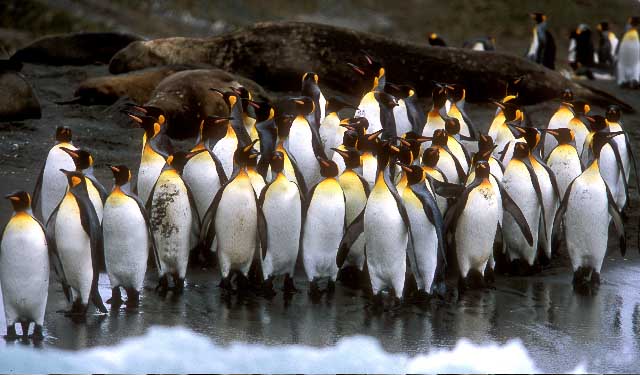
[75, 181]
[14, 198]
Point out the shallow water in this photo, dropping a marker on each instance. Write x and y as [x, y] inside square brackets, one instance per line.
[558, 327]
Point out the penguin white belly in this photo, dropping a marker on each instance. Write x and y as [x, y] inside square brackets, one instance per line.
[565, 164]
[580, 131]
[369, 168]
[434, 122]
[282, 211]
[425, 241]
[24, 270]
[356, 199]
[497, 122]
[94, 197]
[369, 108]
[329, 133]
[560, 119]
[224, 150]
[74, 247]
[628, 67]
[403, 125]
[257, 181]
[518, 185]
[476, 229]
[202, 177]
[323, 230]
[506, 157]
[386, 240]
[586, 222]
[171, 223]
[550, 202]
[609, 170]
[301, 148]
[126, 242]
[448, 166]
[503, 136]
[237, 226]
[339, 160]
[457, 151]
[54, 182]
[150, 168]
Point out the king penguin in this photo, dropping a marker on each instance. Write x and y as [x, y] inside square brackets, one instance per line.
[628, 64]
[407, 95]
[560, 119]
[156, 147]
[303, 141]
[311, 89]
[607, 46]
[281, 202]
[579, 123]
[626, 154]
[563, 159]
[84, 163]
[349, 141]
[435, 115]
[75, 237]
[456, 95]
[586, 210]
[24, 269]
[174, 222]
[499, 131]
[127, 239]
[543, 48]
[430, 159]
[331, 133]
[447, 161]
[51, 184]
[291, 168]
[473, 222]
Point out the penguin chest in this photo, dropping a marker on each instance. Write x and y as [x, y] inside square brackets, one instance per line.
[455, 112]
[403, 125]
[54, 182]
[369, 108]
[354, 193]
[150, 168]
[425, 239]
[448, 166]
[224, 150]
[237, 221]
[609, 169]
[126, 240]
[565, 164]
[385, 232]
[95, 198]
[24, 268]
[329, 133]
[456, 149]
[580, 131]
[629, 57]
[518, 184]
[201, 175]
[497, 122]
[434, 122]
[369, 168]
[257, 181]
[288, 170]
[301, 148]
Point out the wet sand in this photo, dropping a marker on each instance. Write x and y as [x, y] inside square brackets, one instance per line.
[557, 326]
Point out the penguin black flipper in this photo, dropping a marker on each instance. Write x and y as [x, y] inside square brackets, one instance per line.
[416, 114]
[552, 176]
[462, 174]
[557, 220]
[473, 133]
[536, 187]
[91, 225]
[632, 155]
[454, 212]
[432, 212]
[351, 234]
[37, 190]
[509, 205]
[267, 135]
[152, 240]
[296, 170]
[101, 190]
[262, 228]
[208, 227]
[365, 185]
[219, 168]
[616, 153]
[617, 220]
[54, 255]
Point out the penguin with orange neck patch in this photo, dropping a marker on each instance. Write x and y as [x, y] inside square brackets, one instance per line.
[84, 163]
[127, 239]
[24, 269]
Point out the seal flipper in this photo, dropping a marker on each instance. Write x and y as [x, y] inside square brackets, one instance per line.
[617, 221]
[510, 206]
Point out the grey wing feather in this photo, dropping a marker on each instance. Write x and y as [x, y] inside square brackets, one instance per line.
[617, 221]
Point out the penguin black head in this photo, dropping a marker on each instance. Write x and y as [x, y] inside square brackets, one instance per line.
[74, 178]
[337, 103]
[350, 139]
[386, 152]
[452, 125]
[483, 169]
[405, 155]
[439, 95]
[633, 21]
[436, 41]
[369, 142]
[310, 77]
[63, 134]
[283, 124]
[567, 95]
[243, 154]
[580, 107]
[597, 123]
[121, 174]
[413, 142]
[440, 137]
[277, 162]
[179, 159]
[351, 157]
[371, 69]
[328, 168]
[399, 91]
[303, 105]
[230, 97]
[357, 124]
[148, 110]
[485, 143]
[214, 127]
[613, 113]
[562, 135]
[387, 100]
[531, 135]
[430, 157]
[521, 151]
[538, 17]
[603, 26]
[414, 173]
[20, 200]
[252, 158]
[264, 111]
[81, 158]
[600, 139]
[456, 92]
[245, 97]
[148, 123]
[511, 111]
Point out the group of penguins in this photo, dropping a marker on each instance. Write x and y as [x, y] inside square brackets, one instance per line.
[389, 194]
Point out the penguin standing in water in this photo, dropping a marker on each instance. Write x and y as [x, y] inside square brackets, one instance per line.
[204, 172]
[324, 225]
[543, 48]
[84, 163]
[586, 210]
[559, 120]
[51, 184]
[427, 228]
[563, 160]
[473, 222]
[356, 191]
[607, 46]
[236, 220]
[331, 133]
[24, 268]
[75, 236]
[127, 238]
[626, 155]
[628, 62]
[407, 96]
[281, 202]
[302, 141]
[174, 222]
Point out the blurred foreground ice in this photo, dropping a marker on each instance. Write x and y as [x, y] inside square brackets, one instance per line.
[178, 350]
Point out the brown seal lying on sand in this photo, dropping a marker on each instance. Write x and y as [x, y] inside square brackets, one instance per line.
[17, 99]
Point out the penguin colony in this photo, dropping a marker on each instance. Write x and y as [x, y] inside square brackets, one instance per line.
[391, 195]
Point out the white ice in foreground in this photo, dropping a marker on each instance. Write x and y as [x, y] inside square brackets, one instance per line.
[178, 350]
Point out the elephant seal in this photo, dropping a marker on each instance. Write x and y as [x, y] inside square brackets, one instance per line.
[74, 48]
[276, 54]
[17, 99]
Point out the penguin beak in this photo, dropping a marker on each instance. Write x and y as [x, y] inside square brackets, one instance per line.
[192, 154]
[500, 105]
[342, 153]
[356, 68]
[253, 104]
[12, 196]
[403, 141]
[298, 101]
[219, 119]
[71, 153]
[66, 172]
[248, 147]
[323, 162]
[374, 135]
[404, 167]
[217, 90]
[394, 148]
[114, 168]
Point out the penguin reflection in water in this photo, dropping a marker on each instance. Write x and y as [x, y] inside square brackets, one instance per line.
[24, 269]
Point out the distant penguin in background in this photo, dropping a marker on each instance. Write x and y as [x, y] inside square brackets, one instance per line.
[75, 237]
[487, 43]
[51, 184]
[24, 269]
[174, 222]
[581, 50]
[586, 210]
[84, 163]
[436, 41]
[127, 239]
[607, 46]
[543, 48]
[628, 62]
[281, 202]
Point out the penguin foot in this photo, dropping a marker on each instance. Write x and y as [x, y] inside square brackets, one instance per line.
[489, 276]
[225, 283]
[242, 283]
[11, 333]
[25, 329]
[133, 298]
[116, 297]
[314, 291]
[474, 280]
[37, 335]
[349, 276]
[267, 290]
[178, 286]
[163, 286]
[520, 267]
[289, 285]
[586, 281]
[331, 287]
